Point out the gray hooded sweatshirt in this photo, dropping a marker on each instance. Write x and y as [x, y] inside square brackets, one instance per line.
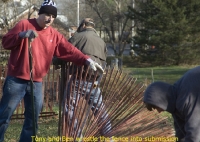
[182, 100]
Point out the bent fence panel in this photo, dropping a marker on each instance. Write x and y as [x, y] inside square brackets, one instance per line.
[117, 113]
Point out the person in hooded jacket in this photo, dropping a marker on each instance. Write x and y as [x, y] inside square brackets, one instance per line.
[182, 100]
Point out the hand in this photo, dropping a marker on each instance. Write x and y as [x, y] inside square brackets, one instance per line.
[94, 65]
[30, 34]
[99, 68]
[57, 62]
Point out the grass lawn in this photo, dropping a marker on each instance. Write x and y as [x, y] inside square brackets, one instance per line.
[48, 127]
[166, 74]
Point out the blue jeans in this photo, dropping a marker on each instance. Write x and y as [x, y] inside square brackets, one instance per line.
[14, 90]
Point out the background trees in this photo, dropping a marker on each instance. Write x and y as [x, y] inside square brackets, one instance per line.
[171, 26]
[13, 10]
[110, 19]
[113, 21]
[167, 30]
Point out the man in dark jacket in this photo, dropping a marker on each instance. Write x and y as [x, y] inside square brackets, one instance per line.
[88, 42]
[182, 100]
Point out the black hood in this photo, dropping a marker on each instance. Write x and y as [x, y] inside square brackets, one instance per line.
[162, 95]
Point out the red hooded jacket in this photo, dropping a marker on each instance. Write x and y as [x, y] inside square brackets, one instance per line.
[49, 43]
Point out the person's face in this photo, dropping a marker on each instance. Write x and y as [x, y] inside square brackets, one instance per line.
[153, 108]
[159, 110]
[45, 20]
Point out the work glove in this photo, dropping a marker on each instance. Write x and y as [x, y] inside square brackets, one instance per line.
[30, 34]
[94, 65]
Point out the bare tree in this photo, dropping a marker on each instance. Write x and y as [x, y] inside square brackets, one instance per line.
[13, 11]
[112, 16]
[71, 8]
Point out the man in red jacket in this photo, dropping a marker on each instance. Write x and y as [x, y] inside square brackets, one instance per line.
[46, 42]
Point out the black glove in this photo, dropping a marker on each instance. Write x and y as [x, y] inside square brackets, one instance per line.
[57, 62]
[30, 34]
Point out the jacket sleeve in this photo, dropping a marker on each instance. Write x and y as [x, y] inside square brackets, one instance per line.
[179, 128]
[192, 125]
[188, 126]
[11, 40]
[66, 51]
[188, 104]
